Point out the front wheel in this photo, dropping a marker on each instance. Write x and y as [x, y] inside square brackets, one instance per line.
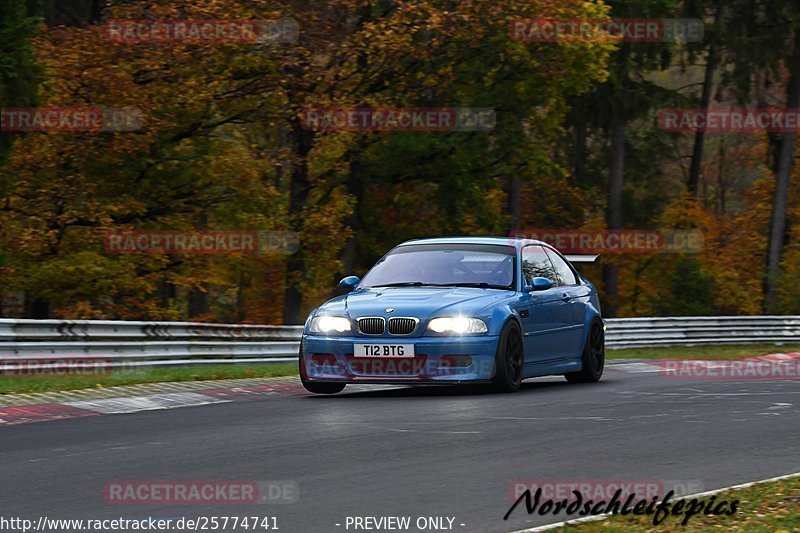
[510, 359]
[594, 356]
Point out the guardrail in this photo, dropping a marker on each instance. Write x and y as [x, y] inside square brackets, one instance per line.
[690, 331]
[127, 343]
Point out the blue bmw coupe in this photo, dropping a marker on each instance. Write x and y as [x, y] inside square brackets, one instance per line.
[458, 310]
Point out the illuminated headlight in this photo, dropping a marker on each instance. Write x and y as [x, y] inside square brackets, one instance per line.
[457, 324]
[330, 324]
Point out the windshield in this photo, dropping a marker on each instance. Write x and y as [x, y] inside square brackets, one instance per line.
[451, 265]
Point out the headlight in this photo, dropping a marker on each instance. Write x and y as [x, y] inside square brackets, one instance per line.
[330, 324]
[457, 324]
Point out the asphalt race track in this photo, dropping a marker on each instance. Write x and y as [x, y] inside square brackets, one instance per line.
[411, 452]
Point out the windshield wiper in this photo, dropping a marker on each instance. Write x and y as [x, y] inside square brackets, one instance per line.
[405, 284]
[480, 285]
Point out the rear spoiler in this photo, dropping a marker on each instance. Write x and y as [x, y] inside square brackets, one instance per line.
[582, 258]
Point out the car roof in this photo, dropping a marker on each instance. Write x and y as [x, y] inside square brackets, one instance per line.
[507, 241]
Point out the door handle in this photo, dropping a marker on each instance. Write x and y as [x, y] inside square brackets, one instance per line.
[565, 297]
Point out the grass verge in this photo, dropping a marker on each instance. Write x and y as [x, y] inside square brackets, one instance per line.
[773, 506]
[733, 351]
[144, 375]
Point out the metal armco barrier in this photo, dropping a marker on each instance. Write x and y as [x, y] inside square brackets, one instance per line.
[125, 343]
[130, 344]
[690, 331]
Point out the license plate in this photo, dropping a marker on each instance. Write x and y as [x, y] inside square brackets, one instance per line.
[383, 350]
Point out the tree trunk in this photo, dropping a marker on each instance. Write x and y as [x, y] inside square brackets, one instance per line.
[38, 308]
[721, 186]
[166, 292]
[705, 102]
[514, 203]
[614, 214]
[198, 301]
[355, 188]
[299, 186]
[241, 301]
[783, 175]
[580, 126]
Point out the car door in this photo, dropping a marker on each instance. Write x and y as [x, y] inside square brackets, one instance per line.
[546, 315]
[576, 297]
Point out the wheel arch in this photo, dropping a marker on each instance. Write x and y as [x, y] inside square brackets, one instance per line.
[589, 317]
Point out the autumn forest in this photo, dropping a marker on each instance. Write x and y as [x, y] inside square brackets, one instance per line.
[216, 137]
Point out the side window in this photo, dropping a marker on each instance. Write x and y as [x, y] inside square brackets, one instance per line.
[565, 273]
[536, 264]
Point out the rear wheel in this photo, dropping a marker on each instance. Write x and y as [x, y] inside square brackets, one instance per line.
[594, 356]
[510, 359]
[312, 386]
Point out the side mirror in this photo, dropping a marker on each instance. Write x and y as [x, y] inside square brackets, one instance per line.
[527, 287]
[349, 282]
[541, 284]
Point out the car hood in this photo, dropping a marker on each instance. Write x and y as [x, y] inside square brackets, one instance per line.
[420, 302]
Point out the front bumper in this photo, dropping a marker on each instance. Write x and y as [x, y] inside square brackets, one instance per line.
[437, 360]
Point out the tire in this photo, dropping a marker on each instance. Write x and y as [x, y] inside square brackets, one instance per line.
[509, 362]
[312, 386]
[593, 358]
